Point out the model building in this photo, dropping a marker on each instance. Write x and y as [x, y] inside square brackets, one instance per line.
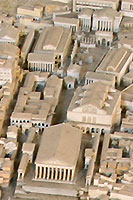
[66, 100]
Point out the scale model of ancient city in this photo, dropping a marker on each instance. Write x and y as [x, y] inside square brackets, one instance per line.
[66, 100]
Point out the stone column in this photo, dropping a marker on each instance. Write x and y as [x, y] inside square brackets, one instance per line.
[105, 25]
[52, 173]
[60, 174]
[102, 25]
[64, 175]
[40, 172]
[48, 172]
[72, 175]
[68, 175]
[44, 172]
[36, 172]
[56, 173]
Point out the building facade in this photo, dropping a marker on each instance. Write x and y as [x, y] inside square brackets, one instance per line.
[67, 22]
[95, 108]
[85, 19]
[78, 5]
[106, 19]
[9, 56]
[104, 38]
[92, 77]
[9, 34]
[34, 12]
[51, 49]
[127, 8]
[117, 66]
[33, 110]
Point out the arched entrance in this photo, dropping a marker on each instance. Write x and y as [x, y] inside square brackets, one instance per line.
[93, 130]
[102, 131]
[87, 130]
[103, 42]
[97, 130]
[108, 43]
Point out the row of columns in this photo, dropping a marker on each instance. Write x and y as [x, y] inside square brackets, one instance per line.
[38, 66]
[104, 25]
[50, 173]
[131, 7]
[86, 23]
[89, 40]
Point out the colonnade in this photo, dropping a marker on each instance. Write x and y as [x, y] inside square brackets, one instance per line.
[85, 22]
[104, 25]
[52, 173]
[89, 40]
[39, 66]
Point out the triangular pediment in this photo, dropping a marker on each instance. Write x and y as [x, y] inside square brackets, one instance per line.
[49, 47]
[89, 109]
[105, 17]
[55, 162]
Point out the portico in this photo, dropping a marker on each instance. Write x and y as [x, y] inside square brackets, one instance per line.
[85, 18]
[106, 19]
[40, 66]
[54, 173]
[41, 62]
[104, 25]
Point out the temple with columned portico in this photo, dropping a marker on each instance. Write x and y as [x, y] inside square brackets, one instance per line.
[58, 154]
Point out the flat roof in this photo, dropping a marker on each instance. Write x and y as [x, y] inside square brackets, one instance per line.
[66, 20]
